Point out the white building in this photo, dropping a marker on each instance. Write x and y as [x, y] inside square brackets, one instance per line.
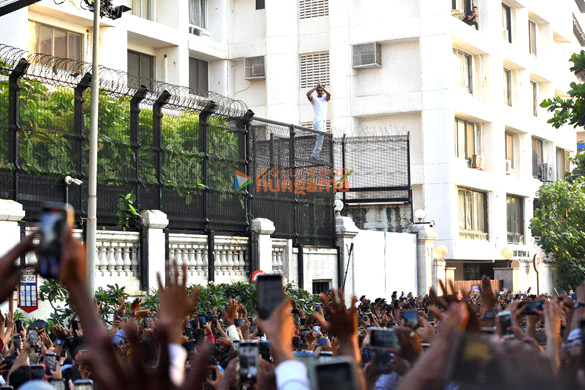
[469, 98]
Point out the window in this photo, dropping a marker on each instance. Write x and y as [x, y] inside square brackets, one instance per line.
[472, 207]
[198, 74]
[321, 286]
[475, 271]
[508, 87]
[532, 37]
[142, 8]
[534, 88]
[313, 8]
[198, 13]
[141, 66]
[515, 218]
[507, 22]
[314, 67]
[464, 6]
[464, 69]
[563, 163]
[260, 4]
[469, 138]
[510, 148]
[537, 157]
[55, 41]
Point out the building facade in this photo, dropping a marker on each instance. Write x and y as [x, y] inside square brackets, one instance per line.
[468, 93]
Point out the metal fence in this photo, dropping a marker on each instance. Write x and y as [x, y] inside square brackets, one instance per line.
[381, 168]
[175, 149]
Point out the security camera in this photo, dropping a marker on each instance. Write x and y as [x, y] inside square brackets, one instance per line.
[71, 180]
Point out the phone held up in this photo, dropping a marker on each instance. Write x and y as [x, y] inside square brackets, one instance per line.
[56, 218]
[248, 353]
[337, 373]
[270, 294]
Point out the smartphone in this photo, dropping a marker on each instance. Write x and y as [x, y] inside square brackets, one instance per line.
[382, 360]
[19, 327]
[317, 306]
[322, 341]
[472, 362]
[211, 374]
[17, 343]
[531, 306]
[6, 388]
[74, 325]
[50, 362]
[265, 350]
[411, 318]
[303, 321]
[367, 355]
[56, 218]
[383, 338]
[270, 294]
[296, 341]
[431, 317]
[202, 320]
[505, 320]
[37, 371]
[248, 354]
[236, 346]
[58, 384]
[337, 373]
[83, 384]
[33, 338]
[317, 328]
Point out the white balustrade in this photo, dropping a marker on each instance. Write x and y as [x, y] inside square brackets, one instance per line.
[279, 248]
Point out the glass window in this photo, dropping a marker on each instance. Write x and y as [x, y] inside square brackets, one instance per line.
[260, 4]
[515, 219]
[142, 8]
[142, 66]
[55, 41]
[507, 22]
[198, 13]
[321, 286]
[198, 74]
[464, 70]
[532, 37]
[472, 214]
[534, 90]
[537, 157]
[468, 137]
[510, 147]
[508, 87]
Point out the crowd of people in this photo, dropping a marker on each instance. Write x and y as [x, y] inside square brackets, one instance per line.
[456, 340]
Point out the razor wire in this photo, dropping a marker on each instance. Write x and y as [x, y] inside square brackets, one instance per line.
[65, 72]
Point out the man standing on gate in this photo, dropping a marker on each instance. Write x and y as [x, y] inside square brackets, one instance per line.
[319, 104]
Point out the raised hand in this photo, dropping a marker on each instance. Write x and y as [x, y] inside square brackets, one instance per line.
[174, 302]
[488, 298]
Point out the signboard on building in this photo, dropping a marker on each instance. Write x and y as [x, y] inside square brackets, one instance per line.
[28, 296]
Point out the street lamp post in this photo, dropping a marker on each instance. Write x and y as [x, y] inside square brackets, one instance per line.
[93, 146]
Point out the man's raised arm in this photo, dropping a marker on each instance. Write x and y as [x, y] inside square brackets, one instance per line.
[325, 90]
[310, 93]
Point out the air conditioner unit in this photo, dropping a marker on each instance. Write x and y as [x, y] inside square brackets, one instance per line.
[547, 173]
[255, 69]
[509, 169]
[367, 55]
[196, 30]
[477, 161]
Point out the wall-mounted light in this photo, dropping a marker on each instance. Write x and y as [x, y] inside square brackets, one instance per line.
[507, 253]
[440, 251]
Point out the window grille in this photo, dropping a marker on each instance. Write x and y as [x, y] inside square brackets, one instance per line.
[314, 68]
[313, 8]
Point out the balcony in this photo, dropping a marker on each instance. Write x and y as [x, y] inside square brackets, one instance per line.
[473, 235]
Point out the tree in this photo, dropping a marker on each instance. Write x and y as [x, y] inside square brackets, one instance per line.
[560, 218]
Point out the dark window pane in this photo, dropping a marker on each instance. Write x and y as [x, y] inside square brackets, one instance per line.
[260, 4]
[74, 46]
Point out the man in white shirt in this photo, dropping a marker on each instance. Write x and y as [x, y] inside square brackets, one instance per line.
[319, 104]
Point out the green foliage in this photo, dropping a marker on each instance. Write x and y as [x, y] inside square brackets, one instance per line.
[107, 300]
[560, 224]
[127, 213]
[48, 141]
[572, 109]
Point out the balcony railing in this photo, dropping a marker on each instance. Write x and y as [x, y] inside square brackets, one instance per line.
[473, 235]
[515, 238]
